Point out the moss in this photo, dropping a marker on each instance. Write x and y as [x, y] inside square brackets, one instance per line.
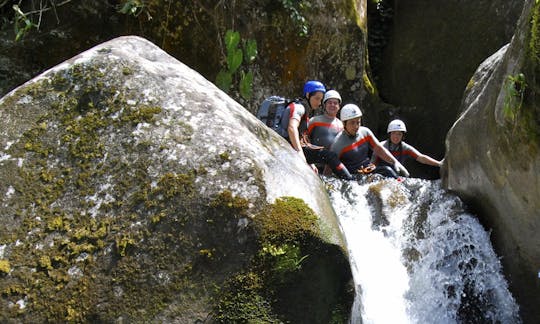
[289, 254]
[534, 38]
[5, 267]
[64, 152]
[355, 15]
[368, 85]
[225, 156]
[242, 301]
[225, 199]
[470, 84]
[287, 220]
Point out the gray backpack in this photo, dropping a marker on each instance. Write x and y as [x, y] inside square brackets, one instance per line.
[271, 113]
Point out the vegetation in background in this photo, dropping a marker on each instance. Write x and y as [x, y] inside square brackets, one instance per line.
[23, 22]
[294, 12]
[235, 55]
[132, 7]
[514, 87]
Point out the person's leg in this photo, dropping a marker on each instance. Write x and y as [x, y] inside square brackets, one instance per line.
[386, 171]
[331, 159]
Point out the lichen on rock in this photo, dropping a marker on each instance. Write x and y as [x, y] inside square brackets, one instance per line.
[130, 185]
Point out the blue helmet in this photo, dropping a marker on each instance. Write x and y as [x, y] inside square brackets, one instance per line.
[312, 86]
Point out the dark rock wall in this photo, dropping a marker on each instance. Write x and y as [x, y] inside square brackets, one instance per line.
[432, 52]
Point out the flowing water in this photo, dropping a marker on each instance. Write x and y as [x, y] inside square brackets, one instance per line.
[417, 256]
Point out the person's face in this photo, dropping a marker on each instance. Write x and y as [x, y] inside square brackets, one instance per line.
[331, 106]
[315, 99]
[352, 125]
[396, 137]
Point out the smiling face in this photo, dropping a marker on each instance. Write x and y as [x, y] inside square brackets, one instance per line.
[331, 107]
[396, 137]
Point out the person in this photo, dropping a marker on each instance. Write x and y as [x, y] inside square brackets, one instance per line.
[400, 150]
[322, 129]
[355, 143]
[295, 120]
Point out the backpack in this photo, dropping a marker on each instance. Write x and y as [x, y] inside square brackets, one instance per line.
[271, 112]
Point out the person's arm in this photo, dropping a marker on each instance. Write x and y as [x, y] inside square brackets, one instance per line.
[294, 137]
[384, 154]
[422, 158]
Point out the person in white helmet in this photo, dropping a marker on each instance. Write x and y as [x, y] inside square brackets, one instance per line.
[322, 129]
[354, 143]
[400, 150]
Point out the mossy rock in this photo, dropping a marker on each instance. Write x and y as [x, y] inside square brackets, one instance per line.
[131, 186]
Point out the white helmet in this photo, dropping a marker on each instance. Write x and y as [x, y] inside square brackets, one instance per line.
[396, 125]
[350, 111]
[331, 94]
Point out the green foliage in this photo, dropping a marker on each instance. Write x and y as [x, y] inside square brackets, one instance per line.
[296, 16]
[232, 39]
[235, 57]
[22, 23]
[245, 86]
[132, 7]
[534, 42]
[224, 80]
[514, 87]
[286, 257]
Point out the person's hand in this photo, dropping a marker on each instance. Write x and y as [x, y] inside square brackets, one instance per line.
[401, 169]
[314, 168]
[441, 163]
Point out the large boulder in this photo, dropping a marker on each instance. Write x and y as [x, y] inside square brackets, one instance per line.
[135, 190]
[493, 156]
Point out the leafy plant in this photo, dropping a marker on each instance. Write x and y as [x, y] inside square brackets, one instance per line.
[22, 23]
[235, 57]
[132, 7]
[296, 16]
[286, 257]
[515, 86]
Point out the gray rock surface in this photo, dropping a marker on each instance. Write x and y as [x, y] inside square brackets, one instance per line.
[493, 158]
[129, 190]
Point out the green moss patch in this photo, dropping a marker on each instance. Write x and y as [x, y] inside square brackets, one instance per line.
[278, 287]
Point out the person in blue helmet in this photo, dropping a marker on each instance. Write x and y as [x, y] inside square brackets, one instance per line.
[295, 120]
[400, 150]
[355, 143]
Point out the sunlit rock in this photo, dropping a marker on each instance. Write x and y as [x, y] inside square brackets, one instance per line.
[493, 156]
[132, 189]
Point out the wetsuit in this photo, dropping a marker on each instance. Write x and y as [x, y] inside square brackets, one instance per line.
[401, 152]
[297, 111]
[322, 130]
[356, 151]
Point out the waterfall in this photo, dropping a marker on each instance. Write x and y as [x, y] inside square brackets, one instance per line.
[417, 256]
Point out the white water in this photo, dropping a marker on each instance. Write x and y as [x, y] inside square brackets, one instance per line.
[417, 256]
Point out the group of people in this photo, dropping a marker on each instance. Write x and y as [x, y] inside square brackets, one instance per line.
[342, 144]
